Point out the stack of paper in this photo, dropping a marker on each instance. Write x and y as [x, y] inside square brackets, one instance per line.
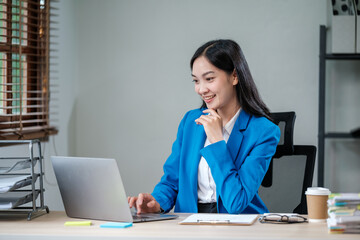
[13, 199]
[12, 182]
[344, 213]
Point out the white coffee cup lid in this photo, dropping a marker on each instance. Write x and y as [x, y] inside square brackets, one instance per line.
[317, 191]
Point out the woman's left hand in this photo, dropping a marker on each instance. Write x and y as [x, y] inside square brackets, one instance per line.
[212, 124]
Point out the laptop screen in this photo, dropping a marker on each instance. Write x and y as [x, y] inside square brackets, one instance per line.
[91, 188]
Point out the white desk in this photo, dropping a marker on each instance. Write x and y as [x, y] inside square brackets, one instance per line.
[51, 226]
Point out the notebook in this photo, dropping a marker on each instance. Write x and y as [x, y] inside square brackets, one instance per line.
[91, 188]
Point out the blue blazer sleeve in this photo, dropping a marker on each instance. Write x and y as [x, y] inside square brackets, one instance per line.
[238, 175]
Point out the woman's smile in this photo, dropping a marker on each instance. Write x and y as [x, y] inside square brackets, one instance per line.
[208, 98]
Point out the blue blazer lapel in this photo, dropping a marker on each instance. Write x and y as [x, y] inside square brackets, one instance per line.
[236, 135]
[198, 140]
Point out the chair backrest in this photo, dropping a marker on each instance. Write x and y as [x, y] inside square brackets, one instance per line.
[285, 121]
[283, 188]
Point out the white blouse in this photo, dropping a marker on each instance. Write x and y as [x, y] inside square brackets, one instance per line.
[206, 185]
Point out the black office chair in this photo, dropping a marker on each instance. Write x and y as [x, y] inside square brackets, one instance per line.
[285, 121]
[284, 185]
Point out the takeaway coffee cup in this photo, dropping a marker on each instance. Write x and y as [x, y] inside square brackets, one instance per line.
[316, 198]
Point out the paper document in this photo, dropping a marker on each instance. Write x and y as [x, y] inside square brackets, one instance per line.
[13, 199]
[8, 182]
[220, 219]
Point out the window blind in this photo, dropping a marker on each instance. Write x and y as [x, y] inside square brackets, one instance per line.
[25, 34]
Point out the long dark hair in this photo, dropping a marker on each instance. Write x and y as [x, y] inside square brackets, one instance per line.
[228, 56]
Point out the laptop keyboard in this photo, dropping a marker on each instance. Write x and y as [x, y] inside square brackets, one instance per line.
[139, 217]
[146, 217]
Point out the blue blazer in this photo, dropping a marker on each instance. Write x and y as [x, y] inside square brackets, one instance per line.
[238, 166]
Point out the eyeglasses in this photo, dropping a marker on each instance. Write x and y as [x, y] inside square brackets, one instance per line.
[282, 218]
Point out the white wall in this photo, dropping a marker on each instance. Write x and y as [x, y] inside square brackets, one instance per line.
[125, 78]
[134, 76]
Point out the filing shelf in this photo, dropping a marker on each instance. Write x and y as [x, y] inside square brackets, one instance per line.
[36, 188]
[322, 135]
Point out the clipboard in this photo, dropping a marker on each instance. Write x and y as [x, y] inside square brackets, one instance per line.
[220, 219]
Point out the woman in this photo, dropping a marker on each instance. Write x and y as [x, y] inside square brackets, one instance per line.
[223, 149]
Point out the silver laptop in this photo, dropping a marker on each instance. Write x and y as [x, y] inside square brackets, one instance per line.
[92, 188]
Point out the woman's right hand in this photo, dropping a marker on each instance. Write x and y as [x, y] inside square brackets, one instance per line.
[144, 203]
